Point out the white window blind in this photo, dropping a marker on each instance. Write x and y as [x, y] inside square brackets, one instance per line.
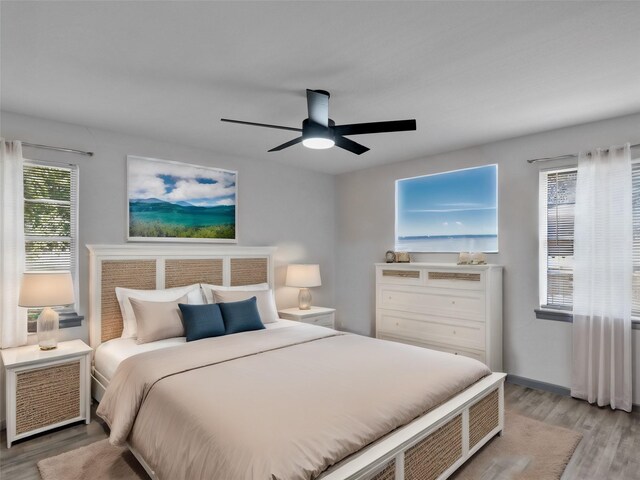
[558, 192]
[635, 195]
[50, 221]
[557, 214]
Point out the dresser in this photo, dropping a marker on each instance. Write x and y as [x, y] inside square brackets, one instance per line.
[446, 307]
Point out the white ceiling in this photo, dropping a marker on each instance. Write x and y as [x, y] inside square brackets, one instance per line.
[469, 72]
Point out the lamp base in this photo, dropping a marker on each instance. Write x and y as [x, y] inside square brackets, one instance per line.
[48, 323]
[304, 299]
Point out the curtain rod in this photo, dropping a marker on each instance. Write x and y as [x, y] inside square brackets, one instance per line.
[562, 157]
[57, 149]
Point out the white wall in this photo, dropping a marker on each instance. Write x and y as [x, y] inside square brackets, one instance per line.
[536, 349]
[290, 208]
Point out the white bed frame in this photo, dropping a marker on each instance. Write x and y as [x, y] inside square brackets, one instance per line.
[385, 455]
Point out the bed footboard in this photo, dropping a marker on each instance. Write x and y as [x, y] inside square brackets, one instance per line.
[431, 447]
[435, 445]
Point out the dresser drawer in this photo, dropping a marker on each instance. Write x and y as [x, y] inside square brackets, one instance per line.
[462, 280]
[469, 305]
[428, 328]
[475, 354]
[401, 276]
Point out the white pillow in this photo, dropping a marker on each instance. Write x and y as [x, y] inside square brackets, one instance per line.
[206, 289]
[130, 330]
[264, 298]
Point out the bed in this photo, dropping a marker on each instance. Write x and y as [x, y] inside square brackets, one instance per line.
[291, 401]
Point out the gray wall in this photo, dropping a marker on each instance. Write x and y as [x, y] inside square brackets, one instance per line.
[290, 208]
[536, 349]
[344, 223]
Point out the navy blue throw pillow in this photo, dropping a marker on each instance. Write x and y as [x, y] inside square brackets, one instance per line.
[241, 316]
[202, 321]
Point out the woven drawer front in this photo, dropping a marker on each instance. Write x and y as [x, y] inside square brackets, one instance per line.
[401, 273]
[178, 273]
[46, 396]
[483, 417]
[432, 456]
[465, 277]
[387, 473]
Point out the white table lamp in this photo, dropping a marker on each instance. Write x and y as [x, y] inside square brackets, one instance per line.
[46, 289]
[303, 276]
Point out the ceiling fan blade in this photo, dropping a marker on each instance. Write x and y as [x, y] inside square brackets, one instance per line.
[261, 125]
[286, 145]
[318, 106]
[375, 127]
[350, 145]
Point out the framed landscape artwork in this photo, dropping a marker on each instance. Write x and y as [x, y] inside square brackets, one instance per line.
[174, 201]
[454, 211]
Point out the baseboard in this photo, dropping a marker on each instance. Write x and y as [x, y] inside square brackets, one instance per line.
[547, 387]
[538, 385]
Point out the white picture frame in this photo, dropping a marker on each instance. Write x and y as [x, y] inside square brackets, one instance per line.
[170, 201]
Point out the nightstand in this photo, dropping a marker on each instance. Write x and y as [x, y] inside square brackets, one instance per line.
[46, 389]
[324, 317]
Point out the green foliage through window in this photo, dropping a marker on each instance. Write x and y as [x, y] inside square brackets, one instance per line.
[50, 212]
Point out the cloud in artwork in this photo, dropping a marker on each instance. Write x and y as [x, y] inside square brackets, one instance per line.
[173, 182]
[192, 189]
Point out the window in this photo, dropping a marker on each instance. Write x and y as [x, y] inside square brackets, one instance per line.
[557, 213]
[50, 222]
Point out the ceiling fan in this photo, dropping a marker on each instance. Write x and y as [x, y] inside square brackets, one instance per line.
[320, 132]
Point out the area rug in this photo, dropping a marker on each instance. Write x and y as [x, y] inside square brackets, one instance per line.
[529, 450]
[98, 461]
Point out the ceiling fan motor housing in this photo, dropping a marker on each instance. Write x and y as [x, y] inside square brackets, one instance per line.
[311, 129]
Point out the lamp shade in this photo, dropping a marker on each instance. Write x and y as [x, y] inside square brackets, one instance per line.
[303, 276]
[46, 289]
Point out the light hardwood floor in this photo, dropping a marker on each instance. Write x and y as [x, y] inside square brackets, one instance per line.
[610, 446]
[609, 450]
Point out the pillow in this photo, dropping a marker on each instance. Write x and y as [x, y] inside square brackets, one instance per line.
[202, 321]
[241, 316]
[206, 289]
[194, 297]
[264, 298]
[157, 320]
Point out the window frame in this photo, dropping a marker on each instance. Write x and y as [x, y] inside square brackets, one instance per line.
[543, 311]
[68, 315]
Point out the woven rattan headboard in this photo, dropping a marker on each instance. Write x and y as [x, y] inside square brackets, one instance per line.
[150, 267]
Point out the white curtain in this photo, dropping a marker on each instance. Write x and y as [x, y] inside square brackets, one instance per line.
[13, 319]
[602, 278]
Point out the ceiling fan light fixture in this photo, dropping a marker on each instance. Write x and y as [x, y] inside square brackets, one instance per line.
[318, 143]
[317, 136]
